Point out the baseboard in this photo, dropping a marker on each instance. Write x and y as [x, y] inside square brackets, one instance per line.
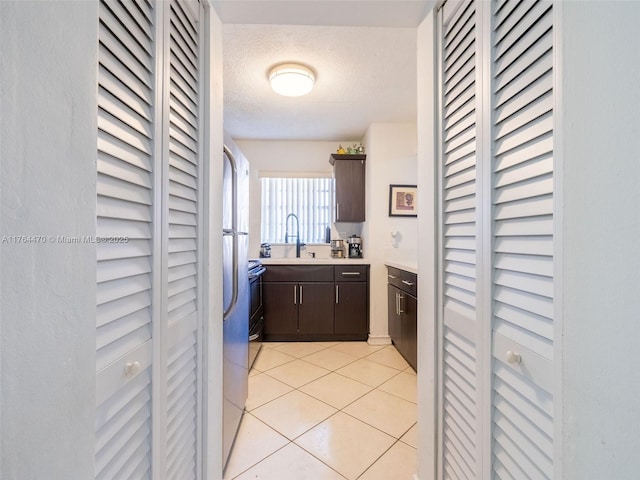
[379, 340]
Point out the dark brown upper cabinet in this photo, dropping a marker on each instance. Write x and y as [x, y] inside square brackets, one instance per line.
[348, 172]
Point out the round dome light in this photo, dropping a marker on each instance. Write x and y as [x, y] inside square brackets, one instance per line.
[291, 80]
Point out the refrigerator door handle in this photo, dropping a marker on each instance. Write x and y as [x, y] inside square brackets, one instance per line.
[233, 230]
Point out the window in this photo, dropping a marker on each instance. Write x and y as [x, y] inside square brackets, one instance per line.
[308, 198]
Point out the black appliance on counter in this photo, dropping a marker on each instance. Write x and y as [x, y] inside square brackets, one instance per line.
[256, 317]
[355, 246]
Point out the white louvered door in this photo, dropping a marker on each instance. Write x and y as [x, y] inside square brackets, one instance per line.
[127, 88]
[523, 102]
[182, 210]
[496, 400]
[148, 185]
[460, 398]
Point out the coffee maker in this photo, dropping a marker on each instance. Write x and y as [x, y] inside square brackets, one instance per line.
[355, 246]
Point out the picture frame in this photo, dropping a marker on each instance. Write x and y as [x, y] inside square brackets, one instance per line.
[403, 201]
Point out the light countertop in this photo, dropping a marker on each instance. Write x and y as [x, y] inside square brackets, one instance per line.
[406, 265]
[306, 260]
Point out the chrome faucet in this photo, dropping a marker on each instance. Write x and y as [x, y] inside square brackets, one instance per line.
[297, 235]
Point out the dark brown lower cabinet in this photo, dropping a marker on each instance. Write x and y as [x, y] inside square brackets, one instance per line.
[395, 322]
[352, 305]
[300, 303]
[403, 313]
[315, 308]
[409, 321]
[280, 309]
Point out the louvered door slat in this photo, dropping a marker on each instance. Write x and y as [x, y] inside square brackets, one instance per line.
[456, 457]
[140, 16]
[463, 417]
[461, 21]
[517, 24]
[465, 110]
[524, 116]
[525, 263]
[121, 336]
[112, 151]
[538, 325]
[519, 227]
[461, 66]
[533, 92]
[133, 77]
[510, 87]
[124, 187]
[526, 173]
[179, 179]
[536, 40]
[502, 9]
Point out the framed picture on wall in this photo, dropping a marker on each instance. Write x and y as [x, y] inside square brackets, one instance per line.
[403, 201]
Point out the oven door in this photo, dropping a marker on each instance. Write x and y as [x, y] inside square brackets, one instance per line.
[256, 320]
[255, 341]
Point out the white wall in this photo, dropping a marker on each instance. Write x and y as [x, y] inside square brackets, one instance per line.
[600, 221]
[427, 344]
[284, 156]
[391, 159]
[48, 61]
[212, 353]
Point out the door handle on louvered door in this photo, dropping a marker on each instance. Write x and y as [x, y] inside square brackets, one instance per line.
[131, 369]
[513, 357]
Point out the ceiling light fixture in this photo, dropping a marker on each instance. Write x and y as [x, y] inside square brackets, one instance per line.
[291, 79]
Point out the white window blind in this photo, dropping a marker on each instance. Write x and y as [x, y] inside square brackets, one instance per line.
[308, 198]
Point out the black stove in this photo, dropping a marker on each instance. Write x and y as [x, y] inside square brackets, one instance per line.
[254, 265]
[256, 320]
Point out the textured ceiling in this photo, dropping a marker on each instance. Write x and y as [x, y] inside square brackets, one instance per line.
[364, 73]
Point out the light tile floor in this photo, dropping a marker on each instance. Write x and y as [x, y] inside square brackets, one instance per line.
[327, 410]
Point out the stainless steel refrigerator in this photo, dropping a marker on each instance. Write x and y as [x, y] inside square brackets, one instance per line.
[235, 218]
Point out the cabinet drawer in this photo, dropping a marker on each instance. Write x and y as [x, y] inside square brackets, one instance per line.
[394, 277]
[409, 282]
[351, 273]
[404, 280]
[298, 273]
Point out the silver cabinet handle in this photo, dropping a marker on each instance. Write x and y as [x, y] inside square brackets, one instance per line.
[300, 294]
[337, 295]
[392, 277]
[351, 274]
[400, 298]
[337, 211]
[408, 283]
[254, 337]
[295, 294]
[397, 304]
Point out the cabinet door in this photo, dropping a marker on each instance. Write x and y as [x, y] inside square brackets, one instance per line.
[349, 176]
[351, 308]
[395, 330]
[280, 308]
[409, 326]
[315, 308]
